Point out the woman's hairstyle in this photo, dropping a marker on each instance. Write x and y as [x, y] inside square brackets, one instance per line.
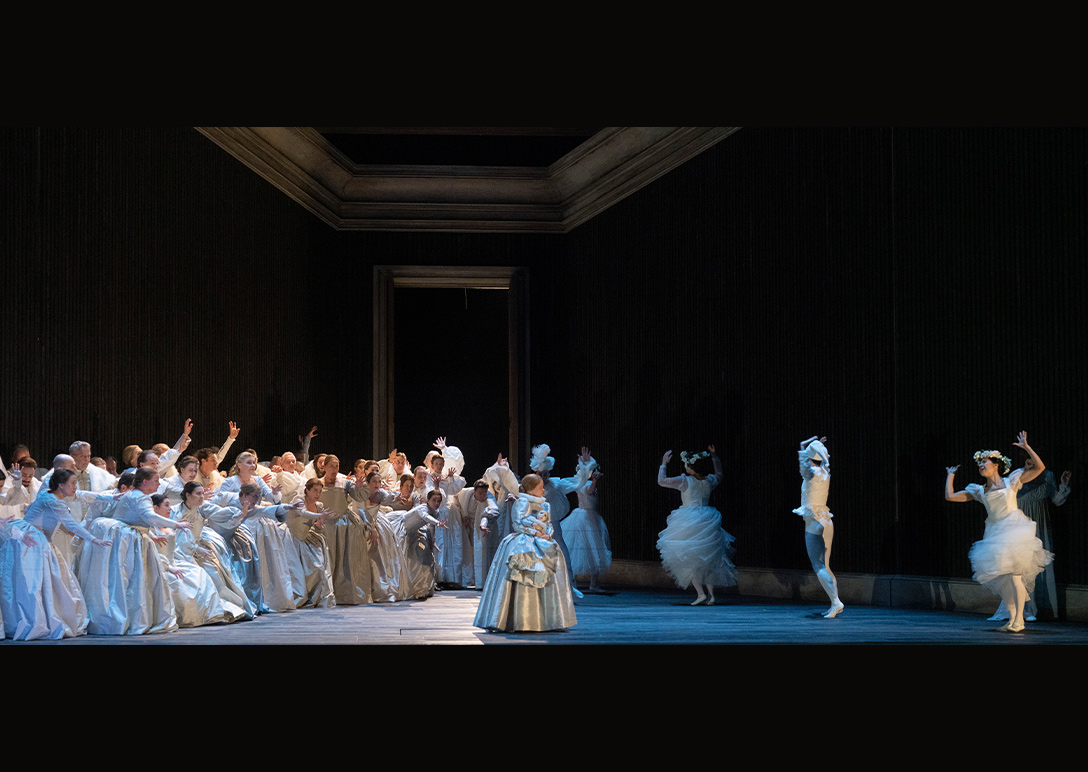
[128, 455]
[700, 463]
[995, 456]
[371, 476]
[157, 499]
[434, 494]
[530, 481]
[406, 478]
[313, 482]
[59, 477]
[189, 489]
[185, 461]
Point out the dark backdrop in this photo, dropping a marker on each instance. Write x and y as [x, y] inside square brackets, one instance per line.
[912, 293]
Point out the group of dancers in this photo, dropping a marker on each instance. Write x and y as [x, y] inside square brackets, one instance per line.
[173, 542]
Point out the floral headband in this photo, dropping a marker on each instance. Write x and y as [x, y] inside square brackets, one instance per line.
[692, 458]
[981, 455]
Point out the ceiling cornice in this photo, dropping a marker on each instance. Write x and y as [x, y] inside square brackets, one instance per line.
[606, 168]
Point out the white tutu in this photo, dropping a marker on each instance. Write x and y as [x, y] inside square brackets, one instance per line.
[1009, 548]
[694, 544]
[587, 540]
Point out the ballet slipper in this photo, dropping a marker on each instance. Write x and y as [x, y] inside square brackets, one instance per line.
[833, 612]
[699, 600]
[1009, 627]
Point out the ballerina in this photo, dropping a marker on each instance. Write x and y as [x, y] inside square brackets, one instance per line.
[815, 467]
[1010, 555]
[694, 548]
[586, 532]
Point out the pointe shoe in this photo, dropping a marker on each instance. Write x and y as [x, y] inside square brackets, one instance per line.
[698, 601]
[833, 612]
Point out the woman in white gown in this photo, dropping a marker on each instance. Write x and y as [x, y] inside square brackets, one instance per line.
[584, 530]
[39, 595]
[205, 547]
[418, 524]
[695, 549]
[815, 466]
[1010, 555]
[527, 588]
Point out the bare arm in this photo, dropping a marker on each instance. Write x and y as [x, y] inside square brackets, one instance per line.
[949, 494]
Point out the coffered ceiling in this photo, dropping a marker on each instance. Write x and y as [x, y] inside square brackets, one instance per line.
[481, 179]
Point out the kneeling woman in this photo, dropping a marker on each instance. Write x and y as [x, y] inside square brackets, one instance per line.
[528, 586]
[39, 595]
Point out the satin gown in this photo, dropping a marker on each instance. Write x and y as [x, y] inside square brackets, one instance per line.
[349, 553]
[39, 594]
[236, 605]
[313, 575]
[528, 587]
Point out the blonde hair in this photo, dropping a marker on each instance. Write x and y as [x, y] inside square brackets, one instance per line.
[530, 482]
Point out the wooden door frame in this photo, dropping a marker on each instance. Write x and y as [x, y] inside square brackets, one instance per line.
[514, 279]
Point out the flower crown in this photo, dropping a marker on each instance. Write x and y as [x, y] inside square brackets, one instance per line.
[981, 455]
[690, 459]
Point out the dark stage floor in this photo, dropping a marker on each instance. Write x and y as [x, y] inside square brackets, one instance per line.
[621, 617]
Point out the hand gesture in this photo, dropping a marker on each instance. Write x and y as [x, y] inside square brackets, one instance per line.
[102, 542]
[1066, 476]
[665, 458]
[1022, 440]
[392, 455]
[158, 539]
[485, 530]
[188, 427]
[16, 474]
[233, 430]
[586, 455]
[209, 492]
[276, 469]
[440, 443]
[183, 525]
[267, 478]
[185, 440]
[710, 448]
[952, 469]
[178, 572]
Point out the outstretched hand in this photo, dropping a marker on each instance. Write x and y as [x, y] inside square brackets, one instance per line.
[586, 455]
[440, 443]
[951, 469]
[667, 457]
[233, 430]
[1066, 476]
[1022, 440]
[188, 427]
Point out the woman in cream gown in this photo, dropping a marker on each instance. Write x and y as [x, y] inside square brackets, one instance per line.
[387, 565]
[205, 547]
[348, 536]
[196, 600]
[39, 595]
[314, 577]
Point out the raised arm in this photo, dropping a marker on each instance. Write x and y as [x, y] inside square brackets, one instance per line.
[232, 435]
[949, 493]
[718, 471]
[1028, 475]
[676, 483]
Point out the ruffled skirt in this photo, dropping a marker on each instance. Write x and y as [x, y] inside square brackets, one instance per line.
[527, 588]
[39, 594]
[125, 585]
[587, 539]
[694, 545]
[1009, 548]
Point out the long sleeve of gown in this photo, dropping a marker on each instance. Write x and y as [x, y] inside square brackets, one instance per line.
[677, 483]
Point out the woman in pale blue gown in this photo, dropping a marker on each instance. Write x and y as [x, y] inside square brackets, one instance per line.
[39, 594]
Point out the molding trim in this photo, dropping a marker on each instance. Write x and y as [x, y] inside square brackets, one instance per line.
[605, 169]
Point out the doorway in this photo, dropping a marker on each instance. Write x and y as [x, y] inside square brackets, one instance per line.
[451, 354]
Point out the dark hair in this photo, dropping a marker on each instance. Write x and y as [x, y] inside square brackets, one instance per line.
[204, 453]
[433, 493]
[406, 478]
[143, 475]
[481, 483]
[59, 477]
[371, 476]
[27, 461]
[156, 499]
[126, 479]
[313, 481]
[185, 461]
[187, 491]
[143, 456]
[250, 489]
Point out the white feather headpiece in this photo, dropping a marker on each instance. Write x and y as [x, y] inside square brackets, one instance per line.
[541, 461]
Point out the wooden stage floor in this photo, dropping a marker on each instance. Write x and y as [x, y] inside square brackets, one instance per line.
[620, 617]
